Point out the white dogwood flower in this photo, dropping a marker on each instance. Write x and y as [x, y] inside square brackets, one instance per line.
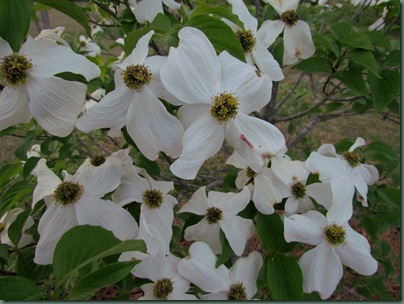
[220, 213]
[6, 220]
[345, 173]
[134, 103]
[297, 40]
[87, 45]
[32, 90]
[77, 201]
[218, 93]
[336, 244]
[251, 39]
[237, 283]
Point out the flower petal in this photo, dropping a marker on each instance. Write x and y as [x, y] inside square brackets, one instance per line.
[230, 203]
[237, 231]
[342, 195]
[195, 66]
[131, 189]
[322, 270]
[146, 10]
[321, 192]
[98, 181]
[198, 203]
[269, 31]
[327, 167]
[172, 4]
[199, 268]
[356, 256]
[56, 220]
[246, 270]
[5, 48]
[253, 91]
[267, 63]
[298, 43]
[281, 5]
[268, 191]
[205, 232]
[108, 215]
[47, 182]
[240, 9]
[139, 53]
[152, 128]
[14, 106]
[305, 228]
[56, 103]
[254, 139]
[201, 140]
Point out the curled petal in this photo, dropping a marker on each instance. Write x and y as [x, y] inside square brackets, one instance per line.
[14, 106]
[306, 228]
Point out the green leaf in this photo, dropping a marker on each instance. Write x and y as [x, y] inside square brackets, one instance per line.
[15, 17]
[27, 268]
[390, 195]
[393, 59]
[285, 278]
[328, 42]
[219, 10]
[15, 194]
[227, 252]
[353, 80]
[29, 165]
[162, 22]
[383, 90]
[15, 229]
[378, 38]
[358, 40]
[314, 65]
[270, 230]
[7, 172]
[100, 278]
[81, 245]
[219, 34]
[366, 59]
[71, 10]
[18, 288]
[341, 30]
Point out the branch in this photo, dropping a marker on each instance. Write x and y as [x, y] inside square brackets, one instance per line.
[286, 97]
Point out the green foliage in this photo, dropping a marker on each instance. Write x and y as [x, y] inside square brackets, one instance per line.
[18, 288]
[270, 228]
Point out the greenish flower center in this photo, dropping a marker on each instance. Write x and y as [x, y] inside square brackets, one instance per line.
[237, 292]
[298, 190]
[14, 69]
[68, 193]
[136, 76]
[162, 288]
[153, 198]
[247, 40]
[214, 215]
[97, 160]
[225, 106]
[290, 17]
[335, 234]
[352, 158]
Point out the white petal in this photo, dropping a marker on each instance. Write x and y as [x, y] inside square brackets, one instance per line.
[356, 256]
[291, 205]
[237, 231]
[131, 189]
[215, 296]
[305, 204]
[290, 172]
[322, 270]
[205, 232]
[108, 215]
[298, 43]
[253, 91]
[152, 128]
[341, 209]
[281, 5]
[237, 161]
[14, 106]
[139, 53]
[327, 167]
[47, 182]
[50, 59]
[321, 192]
[172, 4]
[254, 139]
[5, 48]
[305, 228]
[56, 103]
[269, 31]
[178, 296]
[56, 220]
[267, 63]
[98, 181]
[189, 114]
[110, 112]
[199, 268]
[268, 192]
[201, 140]
[195, 66]
[246, 270]
[327, 150]
[146, 10]
[359, 142]
[240, 9]
[154, 240]
[198, 203]
[230, 203]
